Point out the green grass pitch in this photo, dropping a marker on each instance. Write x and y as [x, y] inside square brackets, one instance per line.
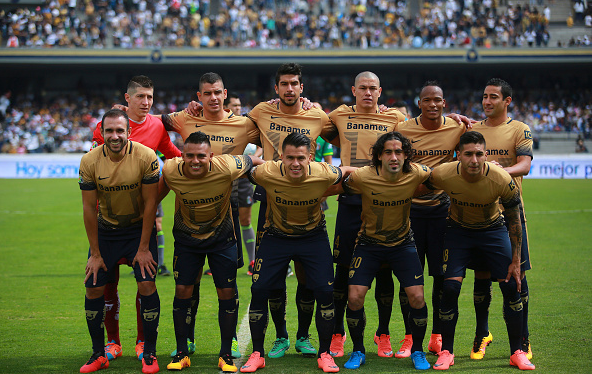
[43, 251]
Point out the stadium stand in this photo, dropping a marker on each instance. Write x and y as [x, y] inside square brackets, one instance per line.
[290, 24]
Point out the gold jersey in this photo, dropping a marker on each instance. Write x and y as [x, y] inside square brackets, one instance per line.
[227, 136]
[119, 184]
[475, 205]
[432, 148]
[202, 206]
[505, 142]
[276, 125]
[385, 204]
[359, 131]
[294, 209]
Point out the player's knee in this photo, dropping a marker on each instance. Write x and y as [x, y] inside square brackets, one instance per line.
[451, 288]
[416, 298]
[94, 292]
[146, 288]
[355, 300]
[225, 293]
[183, 291]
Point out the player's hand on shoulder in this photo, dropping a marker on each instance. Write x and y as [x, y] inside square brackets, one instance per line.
[146, 262]
[460, 119]
[382, 108]
[120, 107]
[194, 108]
[496, 163]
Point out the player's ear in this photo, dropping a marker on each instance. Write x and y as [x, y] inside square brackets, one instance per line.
[444, 103]
[127, 97]
[276, 89]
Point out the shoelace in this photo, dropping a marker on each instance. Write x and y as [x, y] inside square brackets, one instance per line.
[277, 343]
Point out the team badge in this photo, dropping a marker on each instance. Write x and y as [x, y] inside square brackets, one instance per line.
[239, 162]
[527, 135]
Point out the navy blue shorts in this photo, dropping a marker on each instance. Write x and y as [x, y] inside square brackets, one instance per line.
[187, 264]
[275, 253]
[347, 226]
[114, 247]
[429, 241]
[402, 259]
[489, 250]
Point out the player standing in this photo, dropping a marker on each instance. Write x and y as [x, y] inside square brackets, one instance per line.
[294, 229]
[386, 188]
[509, 144]
[122, 176]
[203, 227]
[434, 139]
[355, 129]
[148, 130]
[476, 233]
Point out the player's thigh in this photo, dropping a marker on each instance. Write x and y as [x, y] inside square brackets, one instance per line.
[223, 266]
[497, 250]
[405, 264]
[271, 261]
[459, 250]
[187, 264]
[347, 226]
[365, 262]
[314, 253]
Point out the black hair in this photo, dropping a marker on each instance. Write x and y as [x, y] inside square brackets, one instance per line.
[505, 86]
[378, 148]
[210, 78]
[290, 68]
[471, 137]
[115, 113]
[198, 137]
[296, 139]
[139, 81]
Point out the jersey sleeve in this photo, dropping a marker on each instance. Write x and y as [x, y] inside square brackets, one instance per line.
[424, 173]
[351, 184]
[152, 171]
[238, 165]
[97, 138]
[86, 175]
[524, 141]
[166, 146]
[254, 114]
[174, 121]
[510, 195]
[253, 133]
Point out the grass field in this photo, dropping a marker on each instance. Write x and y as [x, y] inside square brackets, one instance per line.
[43, 253]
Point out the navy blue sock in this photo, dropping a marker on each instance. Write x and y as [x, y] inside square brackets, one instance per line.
[194, 306]
[524, 296]
[150, 317]
[305, 299]
[449, 312]
[181, 319]
[277, 309]
[436, 297]
[95, 316]
[384, 295]
[237, 302]
[512, 314]
[340, 298]
[258, 319]
[325, 319]
[481, 301]
[227, 321]
[405, 309]
[418, 320]
[356, 323]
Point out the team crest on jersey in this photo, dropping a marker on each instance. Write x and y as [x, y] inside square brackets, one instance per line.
[239, 162]
[527, 135]
[333, 169]
[512, 185]
[154, 165]
[351, 273]
[255, 277]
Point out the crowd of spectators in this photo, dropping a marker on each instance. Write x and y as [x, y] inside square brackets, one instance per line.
[65, 124]
[270, 24]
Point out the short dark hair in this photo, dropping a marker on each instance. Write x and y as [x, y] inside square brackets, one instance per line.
[198, 137]
[115, 113]
[139, 81]
[378, 148]
[505, 86]
[210, 78]
[290, 68]
[432, 83]
[230, 95]
[296, 139]
[471, 137]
